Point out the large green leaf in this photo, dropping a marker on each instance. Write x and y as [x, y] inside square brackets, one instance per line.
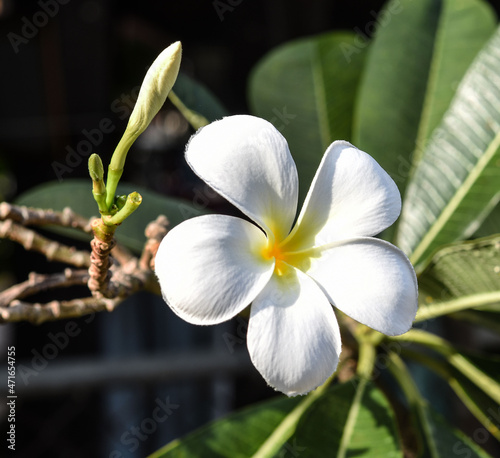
[461, 276]
[478, 402]
[352, 419]
[491, 225]
[477, 369]
[307, 88]
[419, 55]
[239, 435]
[342, 420]
[447, 441]
[77, 194]
[486, 319]
[436, 438]
[465, 268]
[198, 98]
[456, 183]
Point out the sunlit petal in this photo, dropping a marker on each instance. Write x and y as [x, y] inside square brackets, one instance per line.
[370, 280]
[247, 161]
[293, 335]
[210, 268]
[351, 195]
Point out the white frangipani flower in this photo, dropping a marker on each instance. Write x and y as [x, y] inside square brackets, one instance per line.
[212, 267]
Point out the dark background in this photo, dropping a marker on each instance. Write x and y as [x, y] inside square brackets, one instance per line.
[69, 75]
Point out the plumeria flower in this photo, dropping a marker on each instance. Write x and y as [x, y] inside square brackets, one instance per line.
[212, 267]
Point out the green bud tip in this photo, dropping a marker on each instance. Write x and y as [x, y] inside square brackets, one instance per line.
[96, 168]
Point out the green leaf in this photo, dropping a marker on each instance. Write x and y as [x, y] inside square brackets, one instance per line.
[489, 364]
[479, 403]
[306, 88]
[238, 435]
[354, 415]
[448, 440]
[77, 194]
[437, 439]
[464, 268]
[441, 308]
[455, 185]
[461, 276]
[420, 53]
[465, 364]
[491, 225]
[487, 319]
[198, 98]
[350, 419]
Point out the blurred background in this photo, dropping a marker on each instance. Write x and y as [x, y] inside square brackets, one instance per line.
[126, 383]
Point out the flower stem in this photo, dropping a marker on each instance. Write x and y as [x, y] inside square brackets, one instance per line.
[96, 171]
[366, 361]
[132, 203]
[195, 119]
[115, 169]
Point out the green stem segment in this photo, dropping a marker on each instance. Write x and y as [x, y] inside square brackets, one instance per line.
[117, 164]
[96, 171]
[457, 360]
[368, 340]
[195, 119]
[366, 362]
[133, 201]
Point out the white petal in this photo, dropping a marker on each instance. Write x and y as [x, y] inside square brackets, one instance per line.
[351, 195]
[293, 336]
[210, 268]
[247, 161]
[370, 280]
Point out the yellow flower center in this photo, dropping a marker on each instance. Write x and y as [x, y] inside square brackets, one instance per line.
[272, 250]
[284, 259]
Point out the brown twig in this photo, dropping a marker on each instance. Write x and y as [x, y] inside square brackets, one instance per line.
[36, 216]
[133, 275]
[155, 231]
[99, 274]
[110, 283]
[56, 310]
[40, 282]
[32, 241]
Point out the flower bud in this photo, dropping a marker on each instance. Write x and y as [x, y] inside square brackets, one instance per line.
[96, 171]
[96, 168]
[157, 83]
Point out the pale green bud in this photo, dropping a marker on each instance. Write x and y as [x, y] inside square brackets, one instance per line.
[157, 83]
[96, 171]
[96, 168]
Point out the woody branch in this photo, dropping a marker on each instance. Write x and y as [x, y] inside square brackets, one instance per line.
[109, 282]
